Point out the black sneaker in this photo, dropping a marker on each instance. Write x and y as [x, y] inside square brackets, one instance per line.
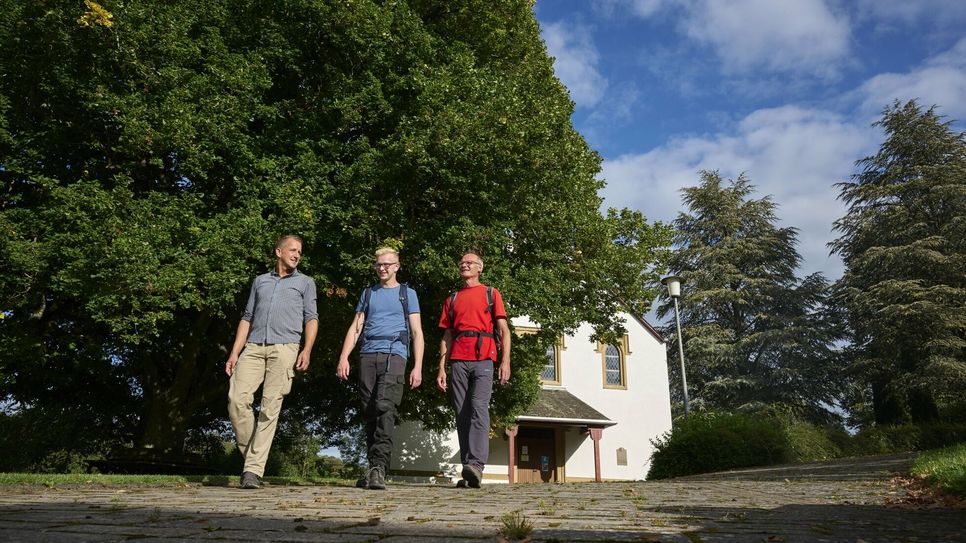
[461, 484]
[250, 480]
[377, 478]
[472, 474]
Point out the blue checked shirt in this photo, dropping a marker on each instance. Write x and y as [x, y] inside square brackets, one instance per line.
[279, 307]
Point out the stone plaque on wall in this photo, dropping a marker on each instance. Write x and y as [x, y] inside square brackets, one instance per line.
[622, 456]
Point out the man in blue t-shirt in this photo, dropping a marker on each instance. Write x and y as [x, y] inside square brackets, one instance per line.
[387, 317]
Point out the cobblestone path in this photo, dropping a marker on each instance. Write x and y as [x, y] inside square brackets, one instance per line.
[835, 501]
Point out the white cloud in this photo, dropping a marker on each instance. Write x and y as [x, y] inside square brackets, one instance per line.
[623, 101]
[794, 154]
[646, 8]
[803, 36]
[940, 81]
[910, 12]
[641, 8]
[576, 61]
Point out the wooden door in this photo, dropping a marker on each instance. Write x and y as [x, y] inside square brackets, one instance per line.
[536, 455]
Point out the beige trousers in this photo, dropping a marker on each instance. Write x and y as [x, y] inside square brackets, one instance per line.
[273, 365]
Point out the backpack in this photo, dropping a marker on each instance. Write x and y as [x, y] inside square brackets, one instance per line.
[497, 338]
[404, 300]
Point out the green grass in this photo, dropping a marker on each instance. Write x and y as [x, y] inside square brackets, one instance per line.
[515, 526]
[944, 467]
[74, 479]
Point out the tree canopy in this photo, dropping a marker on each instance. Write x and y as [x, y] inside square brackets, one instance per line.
[151, 152]
[754, 334]
[903, 241]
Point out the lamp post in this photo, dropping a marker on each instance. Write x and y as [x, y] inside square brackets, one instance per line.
[673, 284]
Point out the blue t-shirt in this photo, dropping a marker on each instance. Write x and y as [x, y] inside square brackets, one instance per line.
[386, 319]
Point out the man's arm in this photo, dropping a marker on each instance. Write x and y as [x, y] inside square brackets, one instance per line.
[416, 328]
[444, 347]
[310, 315]
[504, 371]
[349, 343]
[311, 330]
[241, 335]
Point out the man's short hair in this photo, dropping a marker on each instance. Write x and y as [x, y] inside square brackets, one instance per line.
[281, 240]
[475, 253]
[386, 251]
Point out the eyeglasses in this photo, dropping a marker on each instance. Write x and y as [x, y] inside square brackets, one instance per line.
[385, 265]
[469, 263]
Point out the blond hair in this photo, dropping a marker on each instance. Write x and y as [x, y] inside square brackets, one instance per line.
[385, 251]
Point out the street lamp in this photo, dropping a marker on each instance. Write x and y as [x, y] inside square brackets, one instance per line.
[673, 284]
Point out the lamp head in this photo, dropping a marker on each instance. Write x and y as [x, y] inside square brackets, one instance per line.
[673, 283]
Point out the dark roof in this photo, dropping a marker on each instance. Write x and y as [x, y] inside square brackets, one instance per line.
[558, 405]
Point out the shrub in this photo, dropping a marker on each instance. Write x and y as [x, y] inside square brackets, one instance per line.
[907, 437]
[718, 441]
[808, 443]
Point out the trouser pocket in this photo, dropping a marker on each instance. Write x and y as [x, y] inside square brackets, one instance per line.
[288, 354]
[395, 379]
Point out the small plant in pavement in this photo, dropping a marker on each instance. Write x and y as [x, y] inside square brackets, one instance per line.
[515, 526]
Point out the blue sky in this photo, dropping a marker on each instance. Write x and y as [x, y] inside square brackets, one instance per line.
[782, 90]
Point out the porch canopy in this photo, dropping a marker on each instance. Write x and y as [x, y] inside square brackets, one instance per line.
[557, 406]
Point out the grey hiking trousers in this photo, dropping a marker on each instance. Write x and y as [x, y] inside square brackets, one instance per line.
[472, 385]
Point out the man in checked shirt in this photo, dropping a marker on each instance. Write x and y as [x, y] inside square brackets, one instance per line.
[281, 303]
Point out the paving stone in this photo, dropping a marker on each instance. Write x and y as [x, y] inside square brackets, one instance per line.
[844, 501]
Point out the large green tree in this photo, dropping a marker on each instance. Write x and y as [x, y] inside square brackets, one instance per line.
[150, 153]
[754, 334]
[904, 287]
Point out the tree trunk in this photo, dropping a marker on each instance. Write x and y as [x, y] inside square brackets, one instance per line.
[922, 406]
[174, 393]
[888, 408]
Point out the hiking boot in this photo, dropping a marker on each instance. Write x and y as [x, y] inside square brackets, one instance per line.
[250, 480]
[377, 478]
[363, 482]
[461, 483]
[473, 474]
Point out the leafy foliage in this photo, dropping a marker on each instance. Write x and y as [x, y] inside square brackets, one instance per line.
[753, 333]
[887, 439]
[708, 442]
[904, 246]
[150, 153]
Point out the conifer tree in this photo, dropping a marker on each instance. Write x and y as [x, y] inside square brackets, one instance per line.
[754, 334]
[903, 241]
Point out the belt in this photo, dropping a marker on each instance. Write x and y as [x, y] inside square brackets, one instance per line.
[479, 338]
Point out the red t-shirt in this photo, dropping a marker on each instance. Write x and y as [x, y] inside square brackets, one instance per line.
[471, 314]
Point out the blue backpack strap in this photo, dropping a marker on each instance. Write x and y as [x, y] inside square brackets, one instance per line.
[404, 300]
[366, 296]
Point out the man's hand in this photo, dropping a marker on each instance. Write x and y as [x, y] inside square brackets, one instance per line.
[441, 379]
[302, 362]
[416, 378]
[342, 369]
[230, 365]
[504, 373]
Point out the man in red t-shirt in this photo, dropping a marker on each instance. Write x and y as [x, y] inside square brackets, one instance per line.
[469, 346]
